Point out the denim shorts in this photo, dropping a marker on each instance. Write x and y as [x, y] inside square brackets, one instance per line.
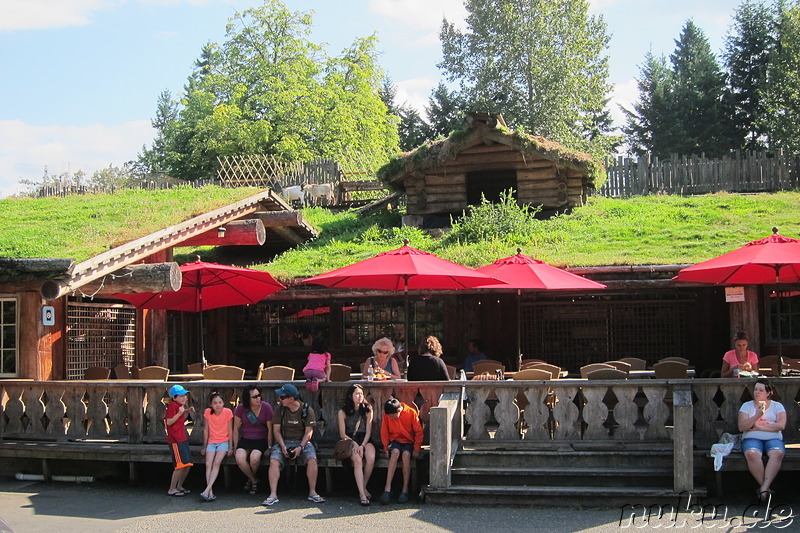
[308, 453]
[401, 447]
[213, 447]
[763, 445]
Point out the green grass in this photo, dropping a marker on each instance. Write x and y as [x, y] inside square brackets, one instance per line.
[639, 231]
[79, 227]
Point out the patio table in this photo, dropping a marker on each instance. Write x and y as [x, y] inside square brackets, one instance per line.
[185, 377]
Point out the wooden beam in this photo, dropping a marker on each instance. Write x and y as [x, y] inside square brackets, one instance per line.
[271, 219]
[288, 235]
[249, 232]
[158, 277]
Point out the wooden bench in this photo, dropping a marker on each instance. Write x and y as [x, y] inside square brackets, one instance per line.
[735, 462]
[123, 452]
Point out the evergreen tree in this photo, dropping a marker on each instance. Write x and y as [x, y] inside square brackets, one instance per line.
[444, 111]
[747, 53]
[542, 64]
[699, 84]
[781, 95]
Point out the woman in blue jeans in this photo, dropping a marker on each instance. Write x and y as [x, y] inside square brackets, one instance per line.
[761, 422]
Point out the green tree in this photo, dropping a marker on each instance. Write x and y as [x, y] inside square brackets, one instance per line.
[748, 48]
[651, 125]
[268, 89]
[781, 95]
[444, 111]
[542, 64]
[699, 84]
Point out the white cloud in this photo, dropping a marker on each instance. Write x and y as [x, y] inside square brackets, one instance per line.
[625, 95]
[25, 150]
[415, 92]
[44, 14]
[422, 15]
[40, 14]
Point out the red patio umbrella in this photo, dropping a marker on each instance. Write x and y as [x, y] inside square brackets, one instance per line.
[773, 260]
[403, 269]
[207, 286]
[523, 272]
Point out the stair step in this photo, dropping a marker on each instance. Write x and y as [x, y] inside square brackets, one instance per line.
[554, 496]
[556, 471]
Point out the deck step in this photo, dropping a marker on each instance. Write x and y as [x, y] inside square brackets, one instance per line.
[550, 471]
[580, 496]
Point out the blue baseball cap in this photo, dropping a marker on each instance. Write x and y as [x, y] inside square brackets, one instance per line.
[287, 390]
[177, 390]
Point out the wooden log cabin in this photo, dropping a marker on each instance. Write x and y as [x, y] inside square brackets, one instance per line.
[445, 177]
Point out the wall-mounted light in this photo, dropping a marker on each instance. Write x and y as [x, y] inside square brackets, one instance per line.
[221, 232]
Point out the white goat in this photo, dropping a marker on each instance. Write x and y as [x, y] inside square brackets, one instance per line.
[292, 194]
[314, 193]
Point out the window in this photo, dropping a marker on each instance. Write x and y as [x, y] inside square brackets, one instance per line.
[274, 325]
[8, 339]
[364, 323]
[789, 316]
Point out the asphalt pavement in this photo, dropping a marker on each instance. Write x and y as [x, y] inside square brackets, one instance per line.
[104, 507]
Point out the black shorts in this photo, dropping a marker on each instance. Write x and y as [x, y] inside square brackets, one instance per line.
[252, 444]
[181, 454]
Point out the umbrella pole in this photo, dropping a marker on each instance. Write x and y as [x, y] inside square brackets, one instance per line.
[519, 334]
[407, 318]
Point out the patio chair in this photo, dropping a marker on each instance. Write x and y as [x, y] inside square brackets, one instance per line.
[134, 372]
[451, 371]
[635, 362]
[122, 372]
[533, 373]
[194, 368]
[154, 372]
[607, 373]
[526, 362]
[340, 373]
[679, 359]
[790, 364]
[768, 365]
[97, 372]
[487, 365]
[224, 373]
[554, 370]
[592, 367]
[277, 373]
[620, 365]
[670, 370]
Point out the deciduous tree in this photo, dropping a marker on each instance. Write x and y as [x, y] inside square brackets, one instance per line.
[781, 95]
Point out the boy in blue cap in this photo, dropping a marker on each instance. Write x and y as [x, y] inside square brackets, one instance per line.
[292, 428]
[178, 439]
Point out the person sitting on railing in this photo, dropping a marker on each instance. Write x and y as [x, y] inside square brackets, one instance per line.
[740, 358]
[761, 422]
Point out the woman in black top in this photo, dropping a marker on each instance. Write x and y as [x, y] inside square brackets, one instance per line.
[355, 423]
[428, 366]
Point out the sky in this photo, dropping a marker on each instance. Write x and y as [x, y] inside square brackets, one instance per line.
[79, 79]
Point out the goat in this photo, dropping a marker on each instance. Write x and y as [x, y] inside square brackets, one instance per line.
[314, 193]
[292, 194]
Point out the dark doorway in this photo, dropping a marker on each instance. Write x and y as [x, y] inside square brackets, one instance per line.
[490, 183]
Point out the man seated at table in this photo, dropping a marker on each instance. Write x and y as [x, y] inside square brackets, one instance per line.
[292, 428]
[474, 354]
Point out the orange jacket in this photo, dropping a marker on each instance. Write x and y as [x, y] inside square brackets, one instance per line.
[405, 429]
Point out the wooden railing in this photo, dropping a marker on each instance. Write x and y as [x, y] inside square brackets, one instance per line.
[685, 414]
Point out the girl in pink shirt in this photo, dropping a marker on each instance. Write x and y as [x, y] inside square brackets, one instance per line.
[318, 367]
[217, 441]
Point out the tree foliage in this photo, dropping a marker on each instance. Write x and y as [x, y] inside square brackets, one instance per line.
[748, 48]
[781, 93]
[268, 89]
[541, 64]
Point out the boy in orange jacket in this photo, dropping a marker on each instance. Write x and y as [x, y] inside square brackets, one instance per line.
[401, 435]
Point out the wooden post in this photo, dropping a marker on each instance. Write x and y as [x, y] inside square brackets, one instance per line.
[441, 437]
[154, 324]
[35, 352]
[744, 317]
[683, 441]
[135, 414]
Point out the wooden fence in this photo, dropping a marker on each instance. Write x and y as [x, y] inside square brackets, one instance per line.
[62, 189]
[688, 175]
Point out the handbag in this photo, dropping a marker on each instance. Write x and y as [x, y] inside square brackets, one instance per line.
[344, 447]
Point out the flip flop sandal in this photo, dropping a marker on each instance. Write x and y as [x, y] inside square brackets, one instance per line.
[253, 488]
[176, 494]
[364, 502]
[270, 501]
[186, 491]
[248, 486]
[316, 498]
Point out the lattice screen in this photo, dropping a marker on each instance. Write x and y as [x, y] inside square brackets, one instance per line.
[99, 335]
[572, 334]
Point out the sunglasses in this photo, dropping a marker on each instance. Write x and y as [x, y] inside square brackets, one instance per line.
[256, 396]
[284, 397]
[382, 351]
